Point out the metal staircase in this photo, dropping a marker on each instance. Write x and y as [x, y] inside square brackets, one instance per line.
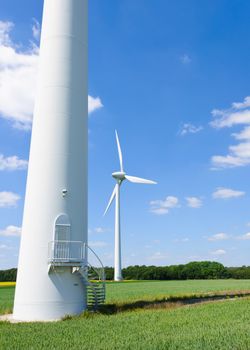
[78, 255]
[93, 280]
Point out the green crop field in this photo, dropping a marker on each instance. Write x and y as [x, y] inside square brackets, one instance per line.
[148, 290]
[131, 291]
[211, 325]
[6, 299]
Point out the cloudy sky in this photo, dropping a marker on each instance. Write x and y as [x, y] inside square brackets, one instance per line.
[173, 79]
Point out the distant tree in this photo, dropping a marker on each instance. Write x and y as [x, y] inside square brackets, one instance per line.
[8, 275]
[242, 272]
[109, 272]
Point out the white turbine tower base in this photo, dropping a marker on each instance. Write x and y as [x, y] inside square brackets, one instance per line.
[54, 230]
[120, 176]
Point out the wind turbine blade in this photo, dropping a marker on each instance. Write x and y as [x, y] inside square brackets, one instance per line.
[139, 180]
[111, 200]
[119, 150]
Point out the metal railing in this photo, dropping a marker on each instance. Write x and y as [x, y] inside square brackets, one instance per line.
[76, 254]
[96, 264]
[93, 277]
[66, 252]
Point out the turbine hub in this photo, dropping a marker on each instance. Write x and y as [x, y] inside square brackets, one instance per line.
[119, 175]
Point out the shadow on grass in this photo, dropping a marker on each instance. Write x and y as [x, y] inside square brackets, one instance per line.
[171, 302]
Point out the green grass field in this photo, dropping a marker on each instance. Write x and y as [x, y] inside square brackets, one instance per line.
[6, 299]
[214, 325]
[148, 290]
[132, 291]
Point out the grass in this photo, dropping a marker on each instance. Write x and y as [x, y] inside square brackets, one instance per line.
[120, 292]
[6, 299]
[148, 290]
[218, 325]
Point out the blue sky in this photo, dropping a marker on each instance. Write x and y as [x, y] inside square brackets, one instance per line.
[173, 79]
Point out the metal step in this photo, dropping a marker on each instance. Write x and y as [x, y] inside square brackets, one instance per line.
[93, 279]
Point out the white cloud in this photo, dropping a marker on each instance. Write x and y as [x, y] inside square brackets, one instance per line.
[181, 240]
[97, 244]
[242, 150]
[189, 128]
[228, 161]
[8, 199]
[94, 103]
[161, 207]
[159, 211]
[12, 163]
[237, 114]
[225, 193]
[194, 202]
[219, 237]
[100, 230]
[185, 59]
[227, 119]
[17, 77]
[243, 135]
[241, 105]
[5, 28]
[36, 29]
[11, 231]
[245, 236]
[158, 256]
[219, 252]
[239, 154]
[18, 72]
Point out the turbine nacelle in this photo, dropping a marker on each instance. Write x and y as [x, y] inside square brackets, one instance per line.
[119, 175]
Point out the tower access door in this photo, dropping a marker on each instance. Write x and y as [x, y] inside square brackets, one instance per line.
[62, 250]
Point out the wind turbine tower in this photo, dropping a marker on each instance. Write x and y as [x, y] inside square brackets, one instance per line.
[52, 278]
[120, 176]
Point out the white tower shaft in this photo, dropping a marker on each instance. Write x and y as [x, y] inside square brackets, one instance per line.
[118, 263]
[57, 175]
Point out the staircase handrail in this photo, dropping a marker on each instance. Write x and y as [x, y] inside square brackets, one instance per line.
[102, 274]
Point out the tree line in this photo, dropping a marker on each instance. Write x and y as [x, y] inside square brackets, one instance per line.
[8, 275]
[192, 270]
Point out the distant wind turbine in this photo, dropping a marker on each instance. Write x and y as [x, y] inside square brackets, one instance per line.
[120, 176]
